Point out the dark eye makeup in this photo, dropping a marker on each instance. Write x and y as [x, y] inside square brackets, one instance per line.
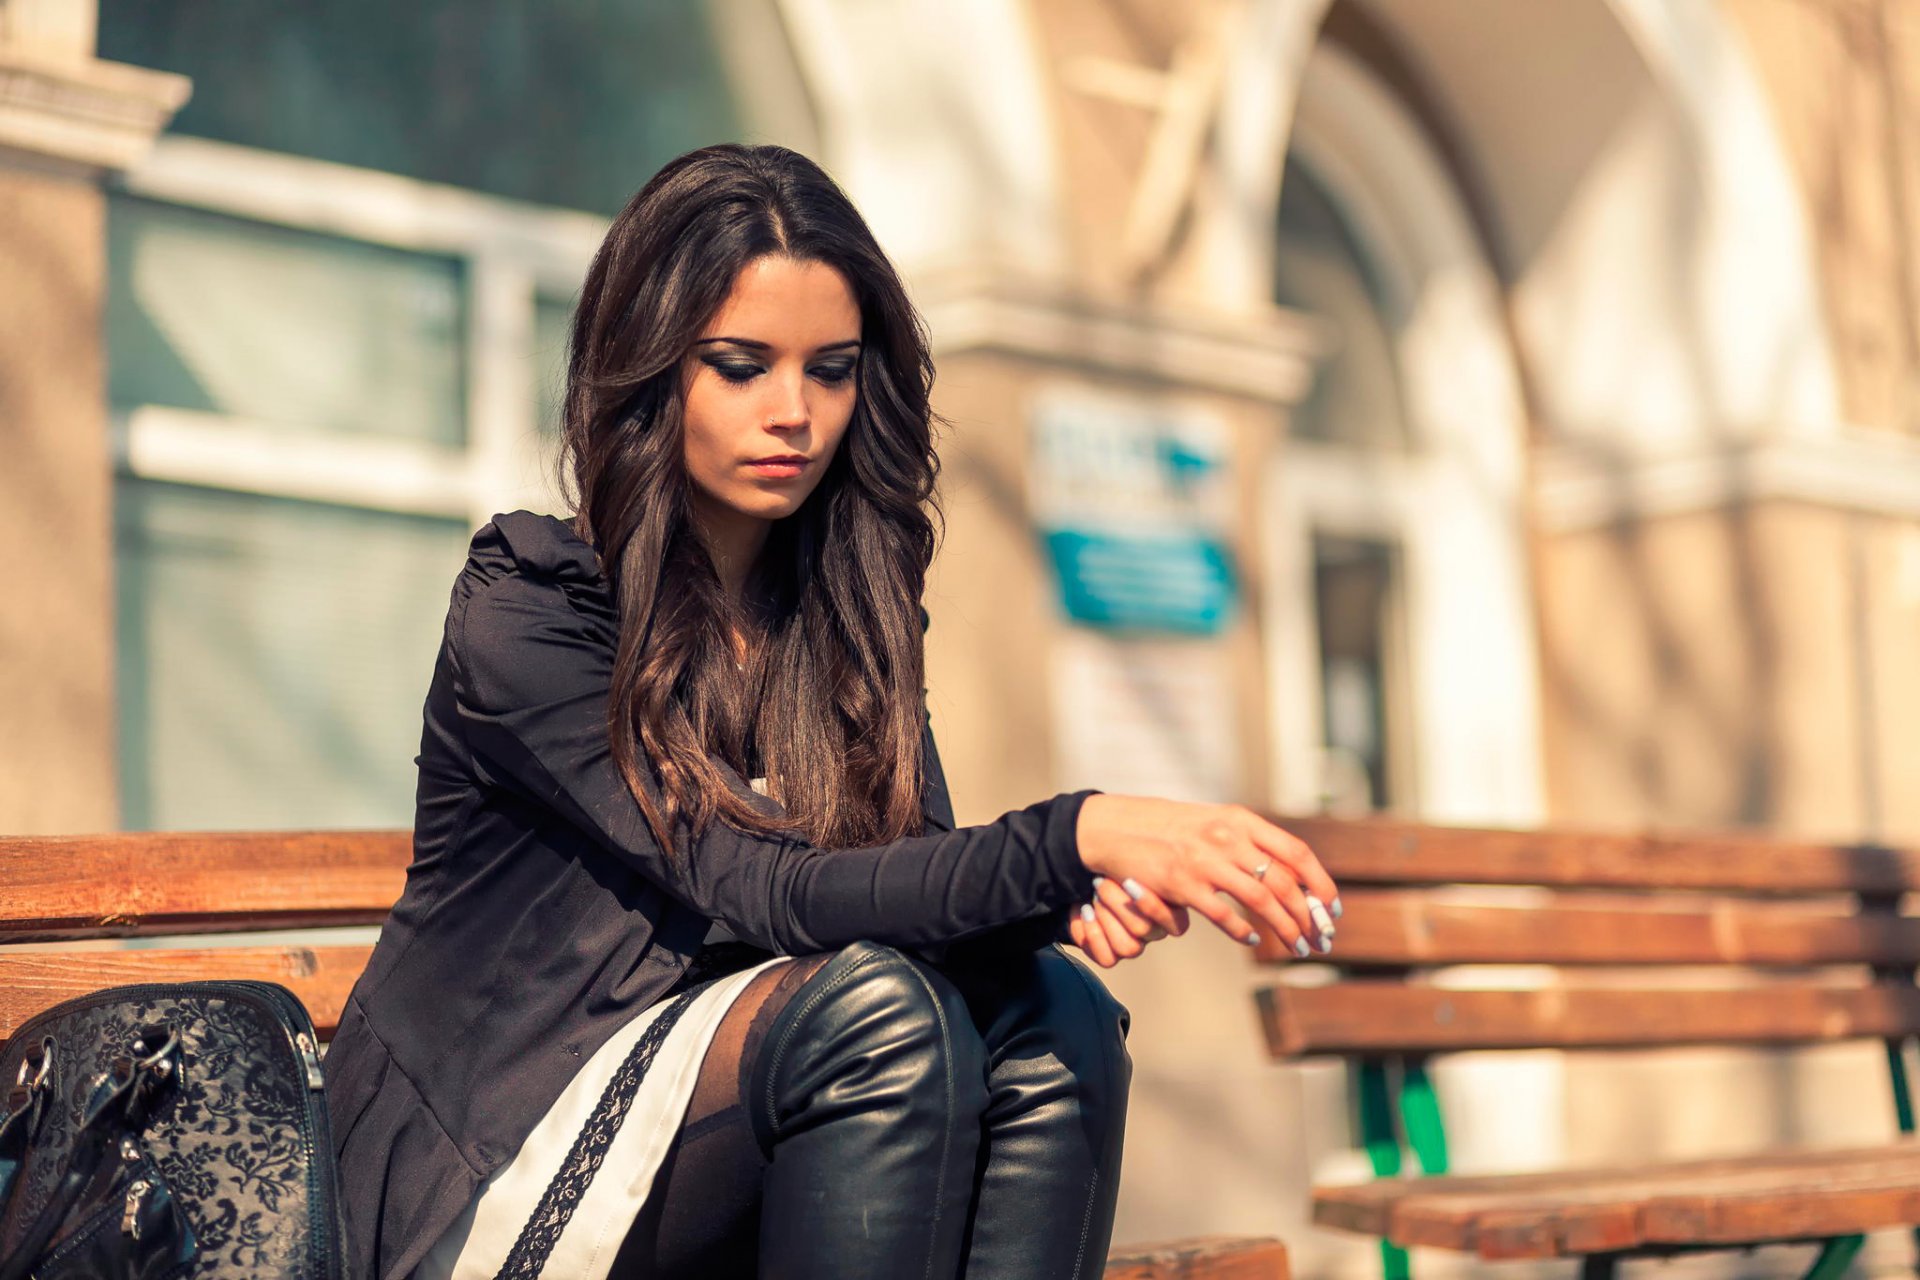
[734, 371]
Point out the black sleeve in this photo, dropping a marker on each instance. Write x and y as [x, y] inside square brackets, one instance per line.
[531, 682]
[1021, 935]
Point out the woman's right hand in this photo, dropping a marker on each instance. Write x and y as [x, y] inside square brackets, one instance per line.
[1119, 923]
[1188, 854]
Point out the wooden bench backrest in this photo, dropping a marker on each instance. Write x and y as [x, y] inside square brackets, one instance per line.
[170, 889]
[1418, 898]
[1800, 942]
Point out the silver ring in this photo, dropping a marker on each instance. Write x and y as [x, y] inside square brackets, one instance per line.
[1260, 872]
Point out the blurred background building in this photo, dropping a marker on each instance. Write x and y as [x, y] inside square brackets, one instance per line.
[1499, 411]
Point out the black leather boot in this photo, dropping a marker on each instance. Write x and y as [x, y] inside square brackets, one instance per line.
[867, 1095]
[1057, 1079]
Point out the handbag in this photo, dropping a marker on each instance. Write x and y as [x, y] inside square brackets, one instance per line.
[168, 1131]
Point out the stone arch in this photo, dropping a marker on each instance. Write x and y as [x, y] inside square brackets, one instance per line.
[1643, 218]
[1455, 504]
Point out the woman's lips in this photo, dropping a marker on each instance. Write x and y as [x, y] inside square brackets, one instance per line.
[782, 470]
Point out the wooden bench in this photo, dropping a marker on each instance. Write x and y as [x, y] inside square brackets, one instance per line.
[180, 888]
[1807, 944]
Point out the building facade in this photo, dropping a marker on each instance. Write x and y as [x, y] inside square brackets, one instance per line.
[1487, 411]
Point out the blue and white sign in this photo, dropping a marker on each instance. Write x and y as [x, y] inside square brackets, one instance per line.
[1133, 501]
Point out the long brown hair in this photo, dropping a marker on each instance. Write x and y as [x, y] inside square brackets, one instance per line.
[831, 698]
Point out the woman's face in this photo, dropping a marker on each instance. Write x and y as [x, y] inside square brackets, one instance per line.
[772, 376]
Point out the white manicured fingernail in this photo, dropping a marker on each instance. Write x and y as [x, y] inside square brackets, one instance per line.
[1336, 907]
[1098, 881]
[1134, 888]
[1252, 939]
[1086, 912]
[1326, 944]
[1302, 949]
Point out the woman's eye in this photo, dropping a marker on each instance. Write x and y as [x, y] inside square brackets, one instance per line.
[831, 375]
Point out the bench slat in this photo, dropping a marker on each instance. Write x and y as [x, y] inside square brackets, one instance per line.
[1621, 1215]
[1370, 1208]
[36, 980]
[1374, 1208]
[67, 887]
[1770, 1196]
[1847, 1204]
[1364, 1017]
[1201, 1258]
[1413, 929]
[1374, 851]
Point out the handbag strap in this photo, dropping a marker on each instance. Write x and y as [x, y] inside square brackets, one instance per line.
[26, 1105]
[121, 1104]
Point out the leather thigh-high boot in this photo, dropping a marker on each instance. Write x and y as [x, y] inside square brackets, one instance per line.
[1057, 1079]
[867, 1094]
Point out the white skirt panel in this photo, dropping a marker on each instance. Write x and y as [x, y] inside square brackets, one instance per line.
[478, 1243]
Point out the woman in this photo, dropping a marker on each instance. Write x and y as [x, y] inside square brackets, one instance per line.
[692, 974]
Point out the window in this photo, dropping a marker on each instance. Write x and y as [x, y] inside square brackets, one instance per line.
[1320, 269]
[287, 329]
[562, 104]
[1344, 496]
[1354, 598]
[273, 656]
[552, 319]
[323, 381]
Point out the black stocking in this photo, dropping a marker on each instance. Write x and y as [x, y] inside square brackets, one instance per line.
[703, 1217]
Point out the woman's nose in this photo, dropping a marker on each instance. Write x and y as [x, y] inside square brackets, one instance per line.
[789, 409]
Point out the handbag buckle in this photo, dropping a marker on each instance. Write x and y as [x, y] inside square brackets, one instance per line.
[41, 1063]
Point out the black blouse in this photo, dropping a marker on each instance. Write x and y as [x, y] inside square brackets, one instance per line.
[539, 914]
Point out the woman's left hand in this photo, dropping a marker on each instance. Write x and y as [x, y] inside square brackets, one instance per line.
[1119, 923]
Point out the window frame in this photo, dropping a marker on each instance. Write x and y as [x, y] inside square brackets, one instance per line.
[512, 258]
[511, 255]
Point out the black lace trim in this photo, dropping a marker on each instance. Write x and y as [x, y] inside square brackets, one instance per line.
[562, 1196]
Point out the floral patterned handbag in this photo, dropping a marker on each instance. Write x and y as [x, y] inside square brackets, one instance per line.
[168, 1131]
